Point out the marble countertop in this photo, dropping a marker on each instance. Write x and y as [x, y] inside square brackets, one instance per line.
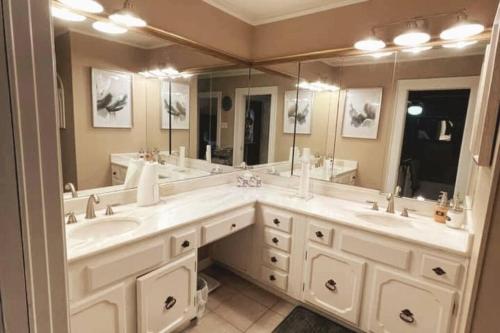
[182, 209]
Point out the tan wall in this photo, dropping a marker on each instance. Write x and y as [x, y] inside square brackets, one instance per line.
[94, 145]
[371, 154]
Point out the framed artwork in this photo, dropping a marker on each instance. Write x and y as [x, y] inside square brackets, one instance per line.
[304, 111]
[362, 113]
[111, 99]
[180, 105]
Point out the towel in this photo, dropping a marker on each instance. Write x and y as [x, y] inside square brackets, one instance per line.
[133, 173]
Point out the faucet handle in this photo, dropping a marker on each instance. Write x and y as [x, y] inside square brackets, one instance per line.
[405, 211]
[374, 204]
[397, 191]
[71, 218]
[109, 209]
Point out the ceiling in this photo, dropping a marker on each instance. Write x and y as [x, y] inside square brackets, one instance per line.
[256, 12]
[132, 38]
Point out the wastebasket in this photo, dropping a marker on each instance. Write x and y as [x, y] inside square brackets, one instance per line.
[201, 296]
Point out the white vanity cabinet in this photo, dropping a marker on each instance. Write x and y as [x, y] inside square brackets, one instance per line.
[334, 282]
[166, 296]
[403, 304]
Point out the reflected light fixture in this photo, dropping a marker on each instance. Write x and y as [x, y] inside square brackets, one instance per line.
[126, 16]
[369, 44]
[462, 29]
[165, 73]
[416, 50]
[413, 36]
[89, 6]
[317, 86]
[460, 44]
[66, 14]
[379, 55]
[108, 27]
[415, 110]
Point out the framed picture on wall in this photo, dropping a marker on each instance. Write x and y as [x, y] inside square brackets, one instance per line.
[111, 99]
[362, 113]
[180, 105]
[304, 111]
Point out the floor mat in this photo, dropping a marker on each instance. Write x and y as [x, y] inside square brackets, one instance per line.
[302, 320]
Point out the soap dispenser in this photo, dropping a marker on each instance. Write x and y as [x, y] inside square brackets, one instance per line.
[456, 217]
[441, 210]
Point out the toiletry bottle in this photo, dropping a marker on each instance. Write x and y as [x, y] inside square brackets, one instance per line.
[455, 214]
[441, 210]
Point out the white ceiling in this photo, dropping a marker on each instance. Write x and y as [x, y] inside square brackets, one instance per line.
[132, 38]
[257, 12]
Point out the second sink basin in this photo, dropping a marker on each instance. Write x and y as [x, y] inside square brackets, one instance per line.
[385, 219]
[103, 227]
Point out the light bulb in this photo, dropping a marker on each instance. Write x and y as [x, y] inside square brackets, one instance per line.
[89, 6]
[369, 44]
[415, 110]
[412, 38]
[127, 18]
[67, 15]
[462, 30]
[108, 27]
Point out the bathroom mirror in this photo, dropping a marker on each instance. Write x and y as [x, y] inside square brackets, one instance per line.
[405, 119]
[113, 111]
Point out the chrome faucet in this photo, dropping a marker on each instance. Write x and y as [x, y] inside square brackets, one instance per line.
[71, 187]
[90, 212]
[390, 200]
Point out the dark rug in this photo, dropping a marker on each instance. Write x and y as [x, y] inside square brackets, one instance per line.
[302, 320]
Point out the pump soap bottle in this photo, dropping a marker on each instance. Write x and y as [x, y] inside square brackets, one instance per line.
[441, 210]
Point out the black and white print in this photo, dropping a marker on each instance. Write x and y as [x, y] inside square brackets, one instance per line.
[111, 99]
[304, 111]
[362, 113]
[180, 105]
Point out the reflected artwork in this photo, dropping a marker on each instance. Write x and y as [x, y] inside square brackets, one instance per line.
[362, 113]
[304, 111]
[179, 108]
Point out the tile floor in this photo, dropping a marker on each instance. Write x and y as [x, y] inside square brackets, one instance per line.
[239, 306]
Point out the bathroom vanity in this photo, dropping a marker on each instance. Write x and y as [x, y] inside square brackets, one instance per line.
[135, 271]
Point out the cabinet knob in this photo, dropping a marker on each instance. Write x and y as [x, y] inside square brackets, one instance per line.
[276, 221]
[272, 277]
[319, 234]
[185, 244]
[439, 271]
[273, 259]
[114, 173]
[170, 302]
[233, 225]
[275, 240]
[407, 316]
[331, 285]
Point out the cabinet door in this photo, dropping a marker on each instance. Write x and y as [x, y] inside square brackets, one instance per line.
[103, 312]
[334, 282]
[165, 297]
[401, 304]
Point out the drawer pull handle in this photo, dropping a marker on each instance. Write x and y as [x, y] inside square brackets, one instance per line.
[185, 244]
[275, 240]
[276, 221]
[233, 225]
[439, 271]
[273, 259]
[319, 234]
[272, 277]
[331, 285]
[170, 302]
[407, 316]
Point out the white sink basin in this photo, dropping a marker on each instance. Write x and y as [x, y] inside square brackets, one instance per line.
[101, 228]
[385, 219]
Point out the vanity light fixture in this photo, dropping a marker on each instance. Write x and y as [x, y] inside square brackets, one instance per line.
[89, 6]
[460, 44]
[126, 16]
[462, 29]
[416, 50]
[66, 14]
[369, 44]
[414, 36]
[108, 27]
[379, 55]
[317, 86]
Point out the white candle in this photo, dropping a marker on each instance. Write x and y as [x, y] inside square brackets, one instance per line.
[208, 154]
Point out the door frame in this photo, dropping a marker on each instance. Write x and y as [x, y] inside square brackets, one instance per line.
[239, 120]
[398, 125]
[218, 95]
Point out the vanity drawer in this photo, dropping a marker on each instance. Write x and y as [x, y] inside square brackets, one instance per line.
[212, 231]
[275, 278]
[277, 239]
[321, 233]
[182, 242]
[278, 220]
[276, 259]
[441, 270]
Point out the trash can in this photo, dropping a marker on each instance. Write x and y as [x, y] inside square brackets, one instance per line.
[201, 296]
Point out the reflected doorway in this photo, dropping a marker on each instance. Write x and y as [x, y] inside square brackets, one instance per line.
[256, 141]
[208, 122]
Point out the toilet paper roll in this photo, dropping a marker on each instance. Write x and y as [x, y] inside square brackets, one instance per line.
[148, 191]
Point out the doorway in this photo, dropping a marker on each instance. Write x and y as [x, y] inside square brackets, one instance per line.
[208, 122]
[257, 115]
